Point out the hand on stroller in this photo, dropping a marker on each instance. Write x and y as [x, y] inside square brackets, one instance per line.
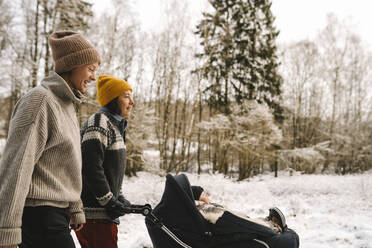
[204, 198]
[199, 194]
[125, 202]
[115, 208]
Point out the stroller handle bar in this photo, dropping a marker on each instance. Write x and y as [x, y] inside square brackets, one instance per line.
[145, 210]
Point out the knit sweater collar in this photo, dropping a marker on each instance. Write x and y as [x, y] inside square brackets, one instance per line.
[60, 88]
[116, 116]
[119, 121]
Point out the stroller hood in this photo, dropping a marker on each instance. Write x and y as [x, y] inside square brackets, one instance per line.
[178, 212]
[184, 183]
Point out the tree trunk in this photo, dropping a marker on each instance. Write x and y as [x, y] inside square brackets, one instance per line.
[35, 48]
[47, 53]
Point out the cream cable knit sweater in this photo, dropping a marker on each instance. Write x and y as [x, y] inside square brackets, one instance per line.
[41, 162]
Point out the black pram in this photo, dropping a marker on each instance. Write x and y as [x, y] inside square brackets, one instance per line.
[176, 222]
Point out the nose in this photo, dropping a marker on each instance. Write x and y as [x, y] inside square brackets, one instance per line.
[131, 101]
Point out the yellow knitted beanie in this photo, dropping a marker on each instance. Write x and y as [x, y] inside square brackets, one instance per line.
[110, 87]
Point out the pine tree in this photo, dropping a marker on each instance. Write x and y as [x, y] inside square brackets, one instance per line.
[239, 54]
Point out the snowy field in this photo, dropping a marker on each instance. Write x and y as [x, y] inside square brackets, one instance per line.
[327, 211]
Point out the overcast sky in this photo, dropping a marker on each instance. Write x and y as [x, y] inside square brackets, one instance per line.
[296, 19]
[299, 19]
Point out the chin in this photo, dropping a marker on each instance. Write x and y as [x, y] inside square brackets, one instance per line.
[125, 116]
[84, 88]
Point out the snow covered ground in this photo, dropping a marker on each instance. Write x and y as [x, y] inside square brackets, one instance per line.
[327, 211]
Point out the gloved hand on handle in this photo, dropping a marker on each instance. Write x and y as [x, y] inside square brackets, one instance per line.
[125, 202]
[115, 208]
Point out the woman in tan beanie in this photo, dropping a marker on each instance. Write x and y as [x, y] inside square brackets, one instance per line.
[104, 159]
[40, 170]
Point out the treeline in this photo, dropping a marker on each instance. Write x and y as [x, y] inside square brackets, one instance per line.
[218, 95]
[327, 87]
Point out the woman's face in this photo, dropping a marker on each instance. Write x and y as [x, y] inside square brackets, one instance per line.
[81, 76]
[126, 103]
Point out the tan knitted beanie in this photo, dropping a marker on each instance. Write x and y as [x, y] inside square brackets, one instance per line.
[70, 50]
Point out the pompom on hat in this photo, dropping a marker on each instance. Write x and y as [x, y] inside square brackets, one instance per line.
[110, 87]
[70, 50]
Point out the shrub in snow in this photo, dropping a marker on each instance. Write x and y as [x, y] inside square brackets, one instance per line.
[243, 139]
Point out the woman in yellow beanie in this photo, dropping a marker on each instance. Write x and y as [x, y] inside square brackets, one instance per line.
[40, 170]
[104, 159]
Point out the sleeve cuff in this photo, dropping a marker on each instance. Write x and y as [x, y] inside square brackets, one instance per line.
[78, 218]
[103, 200]
[77, 212]
[10, 236]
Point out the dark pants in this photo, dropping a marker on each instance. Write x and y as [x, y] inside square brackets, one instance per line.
[98, 234]
[46, 227]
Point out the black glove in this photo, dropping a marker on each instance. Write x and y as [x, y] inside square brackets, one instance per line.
[114, 208]
[125, 202]
[197, 191]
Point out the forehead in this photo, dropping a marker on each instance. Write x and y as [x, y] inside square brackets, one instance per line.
[95, 65]
[126, 93]
[81, 68]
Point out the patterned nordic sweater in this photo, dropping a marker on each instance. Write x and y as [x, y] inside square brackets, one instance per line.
[41, 162]
[104, 159]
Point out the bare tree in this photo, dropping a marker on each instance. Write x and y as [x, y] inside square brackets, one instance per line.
[326, 93]
[247, 134]
[302, 93]
[171, 82]
[334, 45]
